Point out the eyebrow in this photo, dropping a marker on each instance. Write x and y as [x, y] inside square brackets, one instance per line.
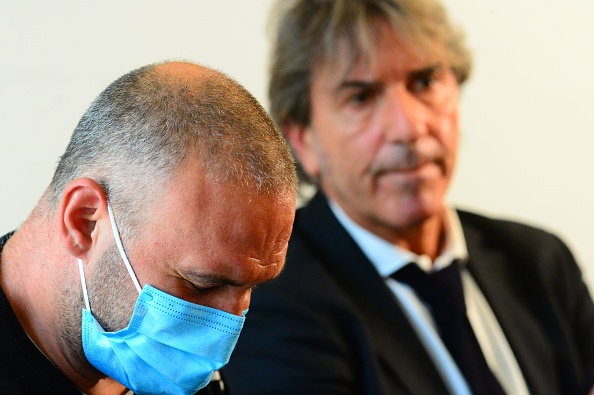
[362, 84]
[354, 84]
[214, 280]
[426, 70]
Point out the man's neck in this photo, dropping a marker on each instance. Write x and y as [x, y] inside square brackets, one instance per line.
[427, 238]
[30, 272]
[32, 267]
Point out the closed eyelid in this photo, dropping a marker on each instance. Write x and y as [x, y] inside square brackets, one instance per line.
[202, 280]
[206, 280]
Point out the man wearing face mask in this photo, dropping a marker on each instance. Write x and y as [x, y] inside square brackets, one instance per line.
[133, 274]
[388, 290]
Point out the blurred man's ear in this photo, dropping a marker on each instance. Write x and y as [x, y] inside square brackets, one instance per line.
[305, 147]
[83, 203]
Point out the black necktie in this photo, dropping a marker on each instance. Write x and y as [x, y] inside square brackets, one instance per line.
[442, 291]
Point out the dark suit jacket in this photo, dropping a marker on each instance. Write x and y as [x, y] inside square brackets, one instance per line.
[330, 325]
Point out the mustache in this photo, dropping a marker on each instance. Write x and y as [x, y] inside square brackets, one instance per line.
[408, 156]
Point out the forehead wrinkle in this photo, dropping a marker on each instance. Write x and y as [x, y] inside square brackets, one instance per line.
[270, 265]
[238, 274]
[268, 269]
[279, 266]
[349, 58]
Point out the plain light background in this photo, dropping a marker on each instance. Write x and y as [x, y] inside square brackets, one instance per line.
[527, 111]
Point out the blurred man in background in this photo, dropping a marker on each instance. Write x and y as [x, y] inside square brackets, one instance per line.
[387, 289]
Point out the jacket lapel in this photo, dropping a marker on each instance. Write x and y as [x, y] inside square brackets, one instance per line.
[389, 333]
[507, 289]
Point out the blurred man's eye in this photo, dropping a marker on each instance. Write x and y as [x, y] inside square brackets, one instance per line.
[422, 84]
[355, 94]
[423, 80]
[361, 97]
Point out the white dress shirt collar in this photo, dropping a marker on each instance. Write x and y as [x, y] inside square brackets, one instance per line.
[388, 258]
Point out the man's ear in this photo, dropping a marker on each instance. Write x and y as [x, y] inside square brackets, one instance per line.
[302, 141]
[83, 203]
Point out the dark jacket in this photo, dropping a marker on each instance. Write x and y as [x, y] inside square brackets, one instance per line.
[329, 324]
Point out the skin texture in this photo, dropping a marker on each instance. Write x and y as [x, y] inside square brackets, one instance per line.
[202, 241]
[206, 260]
[216, 268]
[382, 141]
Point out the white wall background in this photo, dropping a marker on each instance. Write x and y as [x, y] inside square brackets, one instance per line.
[527, 112]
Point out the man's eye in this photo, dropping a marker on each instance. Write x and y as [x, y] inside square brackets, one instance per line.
[201, 288]
[363, 96]
[422, 83]
[360, 97]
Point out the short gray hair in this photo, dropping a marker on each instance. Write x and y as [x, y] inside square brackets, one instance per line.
[140, 129]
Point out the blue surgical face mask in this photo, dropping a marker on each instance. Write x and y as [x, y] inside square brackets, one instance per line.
[170, 346]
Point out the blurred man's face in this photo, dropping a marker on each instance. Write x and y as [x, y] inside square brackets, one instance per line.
[382, 140]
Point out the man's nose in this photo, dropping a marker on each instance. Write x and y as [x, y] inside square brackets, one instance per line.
[406, 117]
[235, 301]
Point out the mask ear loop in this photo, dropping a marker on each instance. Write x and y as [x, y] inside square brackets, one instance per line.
[81, 269]
[116, 235]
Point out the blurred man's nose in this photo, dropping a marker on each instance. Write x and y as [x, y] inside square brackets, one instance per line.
[405, 116]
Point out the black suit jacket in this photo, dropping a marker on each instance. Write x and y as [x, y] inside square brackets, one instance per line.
[330, 325]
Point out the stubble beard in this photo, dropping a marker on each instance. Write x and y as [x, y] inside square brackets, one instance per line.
[112, 296]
